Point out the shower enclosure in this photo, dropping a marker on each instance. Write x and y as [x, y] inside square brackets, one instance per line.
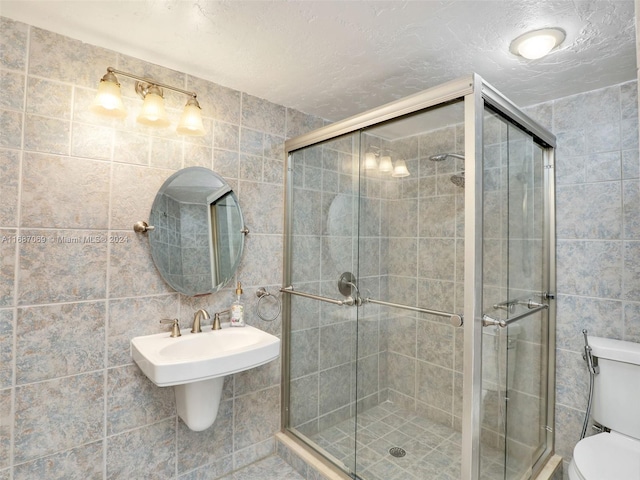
[418, 304]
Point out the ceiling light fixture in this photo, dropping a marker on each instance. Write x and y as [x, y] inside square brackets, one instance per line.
[108, 102]
[537, 43]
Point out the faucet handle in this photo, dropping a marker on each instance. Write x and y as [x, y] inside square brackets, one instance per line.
[175, 326]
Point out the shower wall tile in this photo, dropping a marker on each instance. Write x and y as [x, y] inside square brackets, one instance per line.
[91, 141]
[59, 340]
[632, 322]
[40, 429]
[631, 279]
[335, 388]
[8, 249]
[12, 92]
[13, 44]
[47, 135]
[11, 131]
[336, 345]
[76, 184]
[572, 383]
[60, 268]
[7, 328]
[601, 167]
[434, 386]
[10, 174]
[304, 400]
[49, 99]
[629, 133]
[590, 268]
[67, 60]
[263, 115]
[575, 313]
[197, 155]
[264, 202]
[575, 207]
[5, 429]
[630, 164]
[132, 193]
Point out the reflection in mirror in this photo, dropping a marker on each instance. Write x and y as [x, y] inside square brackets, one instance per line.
[198, 236]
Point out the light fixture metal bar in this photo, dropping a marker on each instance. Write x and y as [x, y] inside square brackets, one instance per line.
[151, 82]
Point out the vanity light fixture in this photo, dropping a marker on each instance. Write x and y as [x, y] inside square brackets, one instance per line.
[400, 169]
[108, 102]
[386, 164]
[537, 43]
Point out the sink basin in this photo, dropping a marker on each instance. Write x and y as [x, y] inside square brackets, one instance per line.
[193, 357]
[195, 364]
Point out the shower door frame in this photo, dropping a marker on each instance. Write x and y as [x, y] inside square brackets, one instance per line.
[476, 94]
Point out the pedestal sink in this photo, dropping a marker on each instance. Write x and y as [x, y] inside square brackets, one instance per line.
[196, 364]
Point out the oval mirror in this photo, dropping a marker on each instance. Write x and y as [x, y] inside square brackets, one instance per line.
[198, 233]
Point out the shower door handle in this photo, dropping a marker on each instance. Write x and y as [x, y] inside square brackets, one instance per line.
[347, 301]
[488, 321]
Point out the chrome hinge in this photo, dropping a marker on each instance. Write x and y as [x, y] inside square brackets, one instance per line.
[548, 428]
[548, 296]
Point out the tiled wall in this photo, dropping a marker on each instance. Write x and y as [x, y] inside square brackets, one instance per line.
[72, 404]
[424, 224]
[598, 230]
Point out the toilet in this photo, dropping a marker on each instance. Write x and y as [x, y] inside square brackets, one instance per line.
[613, 455]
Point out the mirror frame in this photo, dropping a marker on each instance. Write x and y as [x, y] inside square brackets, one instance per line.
[222, 192]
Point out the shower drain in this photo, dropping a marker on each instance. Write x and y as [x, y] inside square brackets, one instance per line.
[397, 452]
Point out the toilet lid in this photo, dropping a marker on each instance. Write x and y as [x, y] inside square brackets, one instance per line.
[608, 456]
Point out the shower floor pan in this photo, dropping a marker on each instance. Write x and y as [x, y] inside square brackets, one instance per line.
[431, 450]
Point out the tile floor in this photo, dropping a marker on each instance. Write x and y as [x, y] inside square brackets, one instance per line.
[270, 468]
[433, 450]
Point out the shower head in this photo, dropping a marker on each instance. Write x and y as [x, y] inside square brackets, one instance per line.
[439, 157]
[458, 179]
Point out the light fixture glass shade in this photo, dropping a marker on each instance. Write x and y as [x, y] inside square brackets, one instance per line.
[538, 43]
[153, 112]
[385, 164]
[191, 120]
[400, 169]
[108, 101]
[370, 162]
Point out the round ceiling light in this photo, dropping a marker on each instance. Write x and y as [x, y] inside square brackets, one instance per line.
[538, 43]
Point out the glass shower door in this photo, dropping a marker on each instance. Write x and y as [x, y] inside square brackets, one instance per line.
[514, 371]
[322, 245]
[410, 255]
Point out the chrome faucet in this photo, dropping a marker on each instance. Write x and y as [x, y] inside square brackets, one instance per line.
[216, 319]
[202, 313]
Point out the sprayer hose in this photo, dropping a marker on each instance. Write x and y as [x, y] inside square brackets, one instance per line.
[589, 401]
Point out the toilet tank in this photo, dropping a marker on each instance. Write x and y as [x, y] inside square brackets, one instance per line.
[616, 398]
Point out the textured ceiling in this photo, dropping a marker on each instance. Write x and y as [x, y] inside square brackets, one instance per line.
[338, 58]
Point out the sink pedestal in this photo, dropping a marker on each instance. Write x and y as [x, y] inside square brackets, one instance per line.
[197, 402]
